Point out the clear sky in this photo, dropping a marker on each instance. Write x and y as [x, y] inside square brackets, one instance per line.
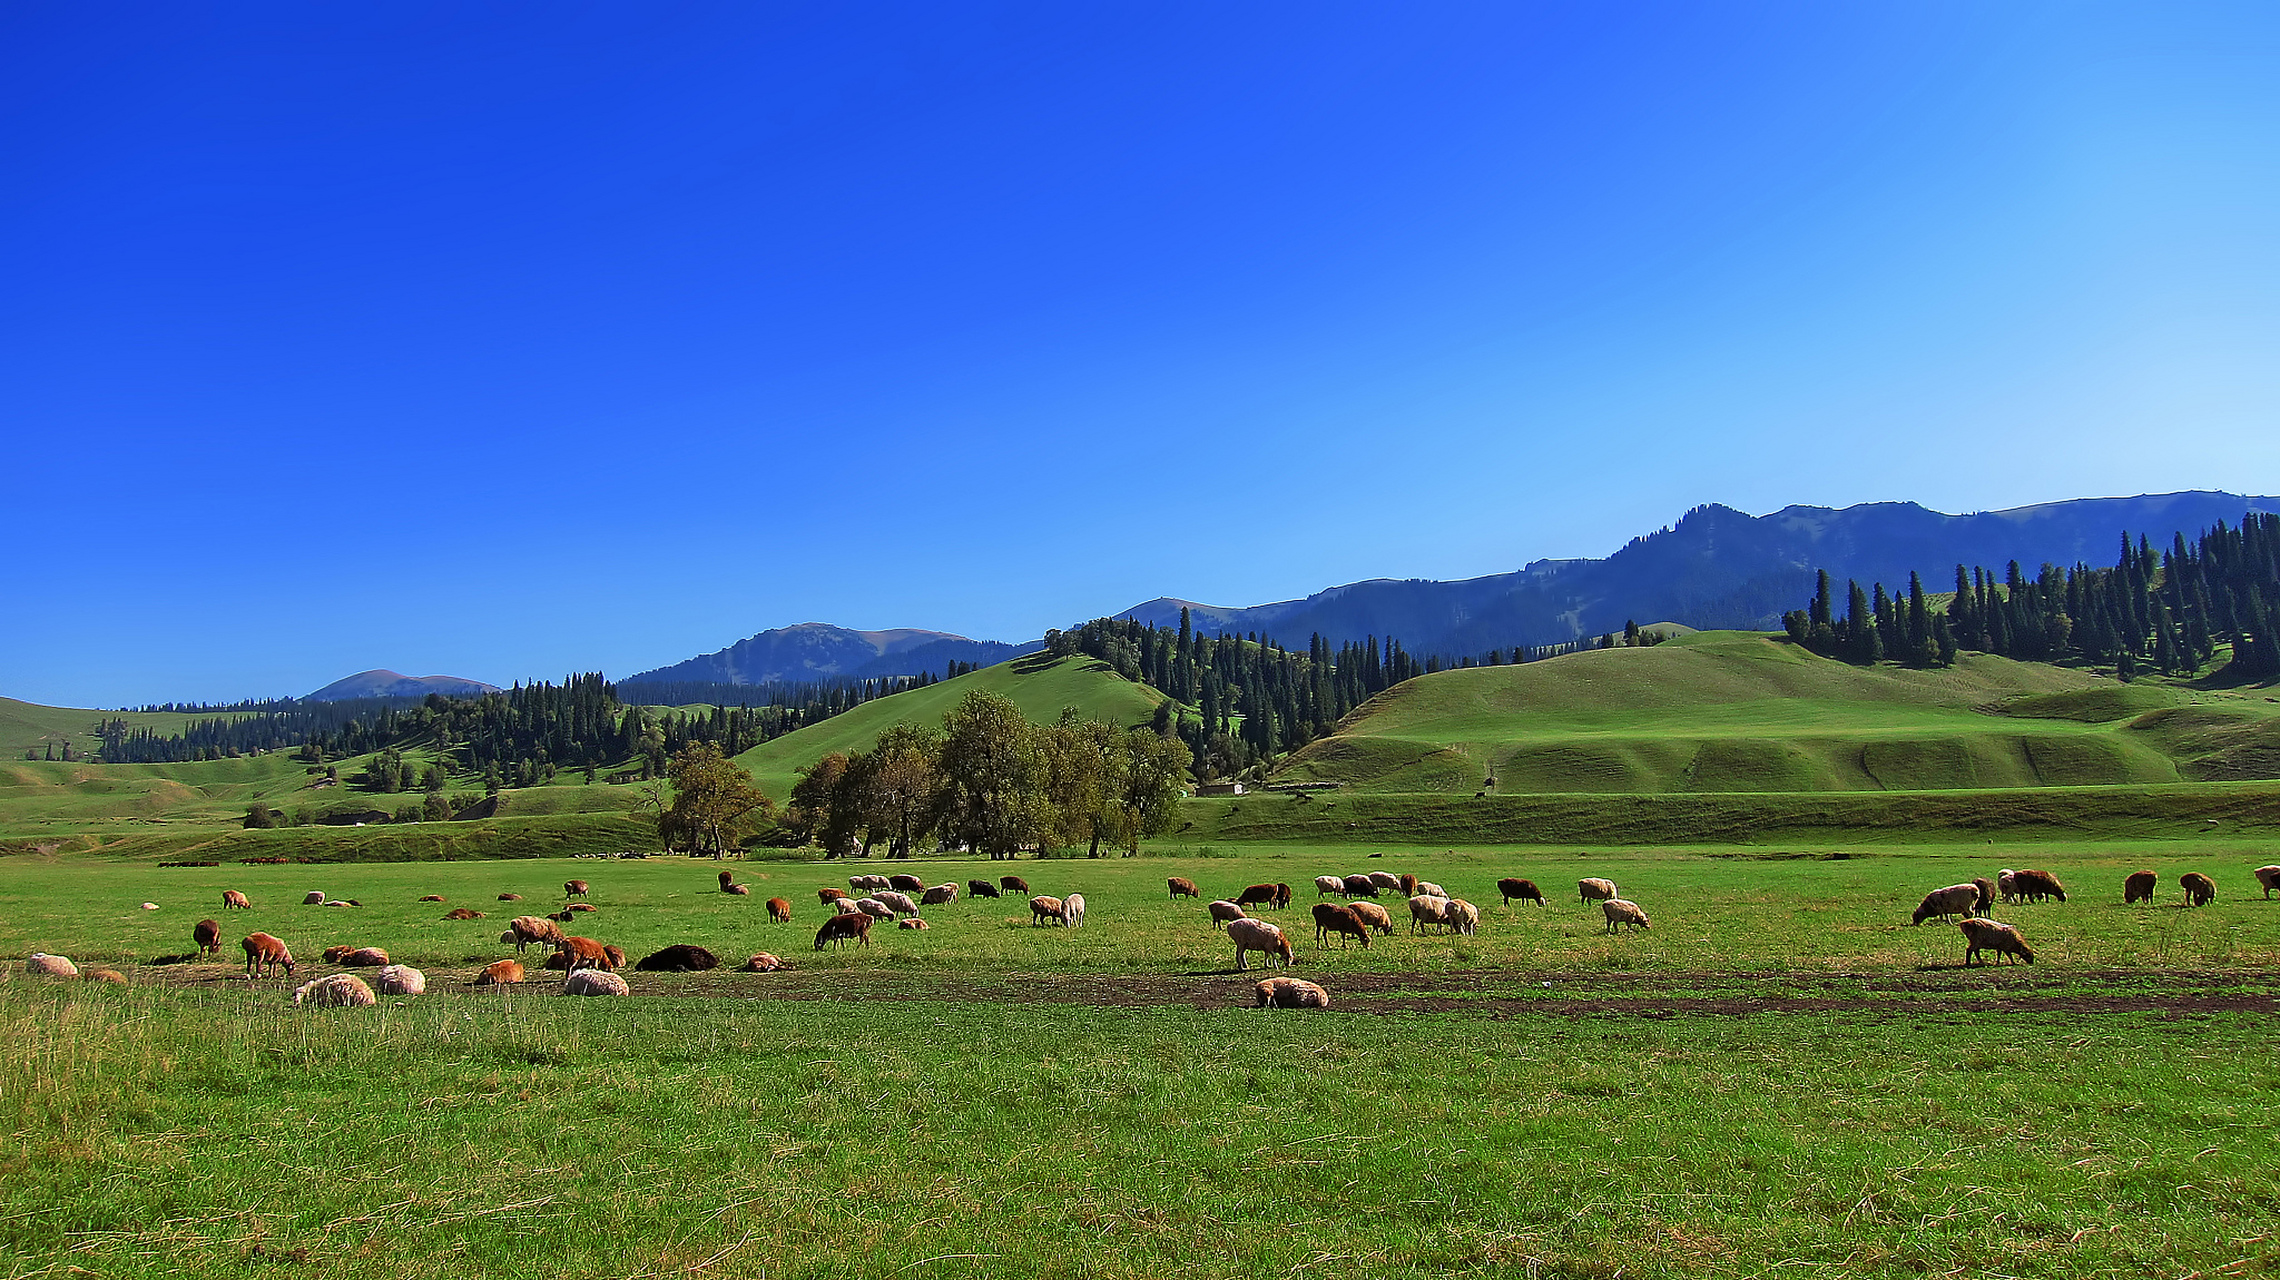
[505, 342]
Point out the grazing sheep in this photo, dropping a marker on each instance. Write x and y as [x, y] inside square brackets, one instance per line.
[1223, 911]
[1282, 896]
[1595, 889]
[1373, 915]
[595, 982]
[681, 957]
[905, 883]
[208, 935]
[899, 901]
[573, 888]
[524, 931]
[1324, 886]
[1461, 916]
[1182, 887]
[2269, 877]
[1425, 909]
[1988, 935]
[1073, 910]
[738, 890]
[1013, 884]
[1360, 887]
[500, 973]
[1944, 904]
[866, 883]
[2139, 886]
[829, 896]
[2007, 885]
[1408, 885]
[462, 913]
[762, 962]
[582, 953]
[616, 957]
[1621, 912]
[841, 927]
[981, 888]
[41, 962]
[232, 900]
[912, 922]
[1262, 937]
[2200, 890]
[1258, 895]
[264, 953]
[939, 895]
[1331, 917]
[433, 897]
[344, 990]
[402, 980]
[874, 908]
[1431, 890]
[779, 911]
[313, 898]
[1291, 993]
[364, 958]
[108, 977]
[1387, 881]
[1043, 908]
[510, 897]
[2034, 886]
[1515, 889]
[1986, 901]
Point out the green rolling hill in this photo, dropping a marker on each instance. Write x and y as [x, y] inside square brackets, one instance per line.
[28, 726]
[1040, 686]
[1733, 712]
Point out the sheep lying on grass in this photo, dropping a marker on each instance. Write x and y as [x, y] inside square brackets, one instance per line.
[500, 973]
[762, 962]
[341, 989]
[41, 962]
[595, 982]
[681, 957]
[1291, 993]
[402, 980]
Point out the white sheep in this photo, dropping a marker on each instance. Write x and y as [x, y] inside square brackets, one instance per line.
[1431, 890]
[1224, 910]
[876, 907]
[1324, 886]
[345, 989]
[1260, 936]
[1291, 993]
[1593, 889]
[1461, 916]
[867, 883]
[1386, 880]
[402, 980]
[52, 966]
[900, 903]
[1940, 904]
[1620, 912]
[1425, 909]
[595, 982]
[2007, 884]
[1073, 909]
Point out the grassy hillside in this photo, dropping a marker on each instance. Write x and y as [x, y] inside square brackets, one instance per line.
[1737, 712]
[28, 726]
[1040, 686]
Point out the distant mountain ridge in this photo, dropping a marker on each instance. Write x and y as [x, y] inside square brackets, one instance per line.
[392, 684]
[1717, 567]
[821, 651]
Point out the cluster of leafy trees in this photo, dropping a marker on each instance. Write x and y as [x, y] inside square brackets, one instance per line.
[990, 781]
[2168, 610]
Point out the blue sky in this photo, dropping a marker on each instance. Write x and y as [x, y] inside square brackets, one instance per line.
[512, 341]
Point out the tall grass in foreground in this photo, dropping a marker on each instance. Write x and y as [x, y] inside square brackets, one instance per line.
[169, 1132]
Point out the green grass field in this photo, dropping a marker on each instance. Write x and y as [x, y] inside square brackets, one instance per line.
[28, 726]
[1728, 712]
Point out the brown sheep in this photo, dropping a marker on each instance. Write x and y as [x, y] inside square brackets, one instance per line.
[1330, 917]
[1942, 904]
[910, 922]
[779, 911]
[1013, 884]
[1593, 889]
[462, 913]
[524, 931]
[332, 954]
[1182, 887]
[2200, 890]
[828, 896]
[1988, 935]
[510, 897]
[2139, 887]
[1986, 903]
[1360, 887]
[2034, 886]
[573, 888]
[841, 927]
[433, 897]
[111, 977]
[1515, 889]
[726, 879]
[583, 953]
[1291, 993]
[314, 897]
[1408, 884]
[1043, 908]
[2269, 877]
[906, 884]
[1282, 896]
[939, 895]
[981, 888]
[681, 957]
[233, 900]
[208, 935]
[1258, 895]
[364, 958]
[1373, 915]
[265, 954]
[576, 907]
[738, 890]
[500, 973]
[762, 962]
[1259, 936]
[1621, 912]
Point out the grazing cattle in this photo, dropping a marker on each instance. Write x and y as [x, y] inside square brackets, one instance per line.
[1373, 915]
[2139, 886]
[1258, 895]
[1259, 936]
[1330, 917]
[573, 888]
[1620, 912]
[1324, 886]
[1223, 911]
[681, 957]
[1595, 889]
[208, 935]
[1945, 904]
[1182, 887]
[1360, 887]
[2269, 877]
[939, 895]
[585, 953]
[1013, 884]
[462, 913]
[264, 953]
[523, 931]
[2200, 890]
[1517, 890]
[1043, 908]
[981, 888]
[1291, 993]
[762, 962]
[779, 911]
[232, 900]
[1987, 935]
[500, 973]
[841, 927]
[906, 884]
[865, 882]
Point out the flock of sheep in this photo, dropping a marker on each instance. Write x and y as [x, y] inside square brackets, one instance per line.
[590, 967]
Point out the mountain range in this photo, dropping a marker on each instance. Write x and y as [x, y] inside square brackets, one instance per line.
[818, 650]
[391, 684]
